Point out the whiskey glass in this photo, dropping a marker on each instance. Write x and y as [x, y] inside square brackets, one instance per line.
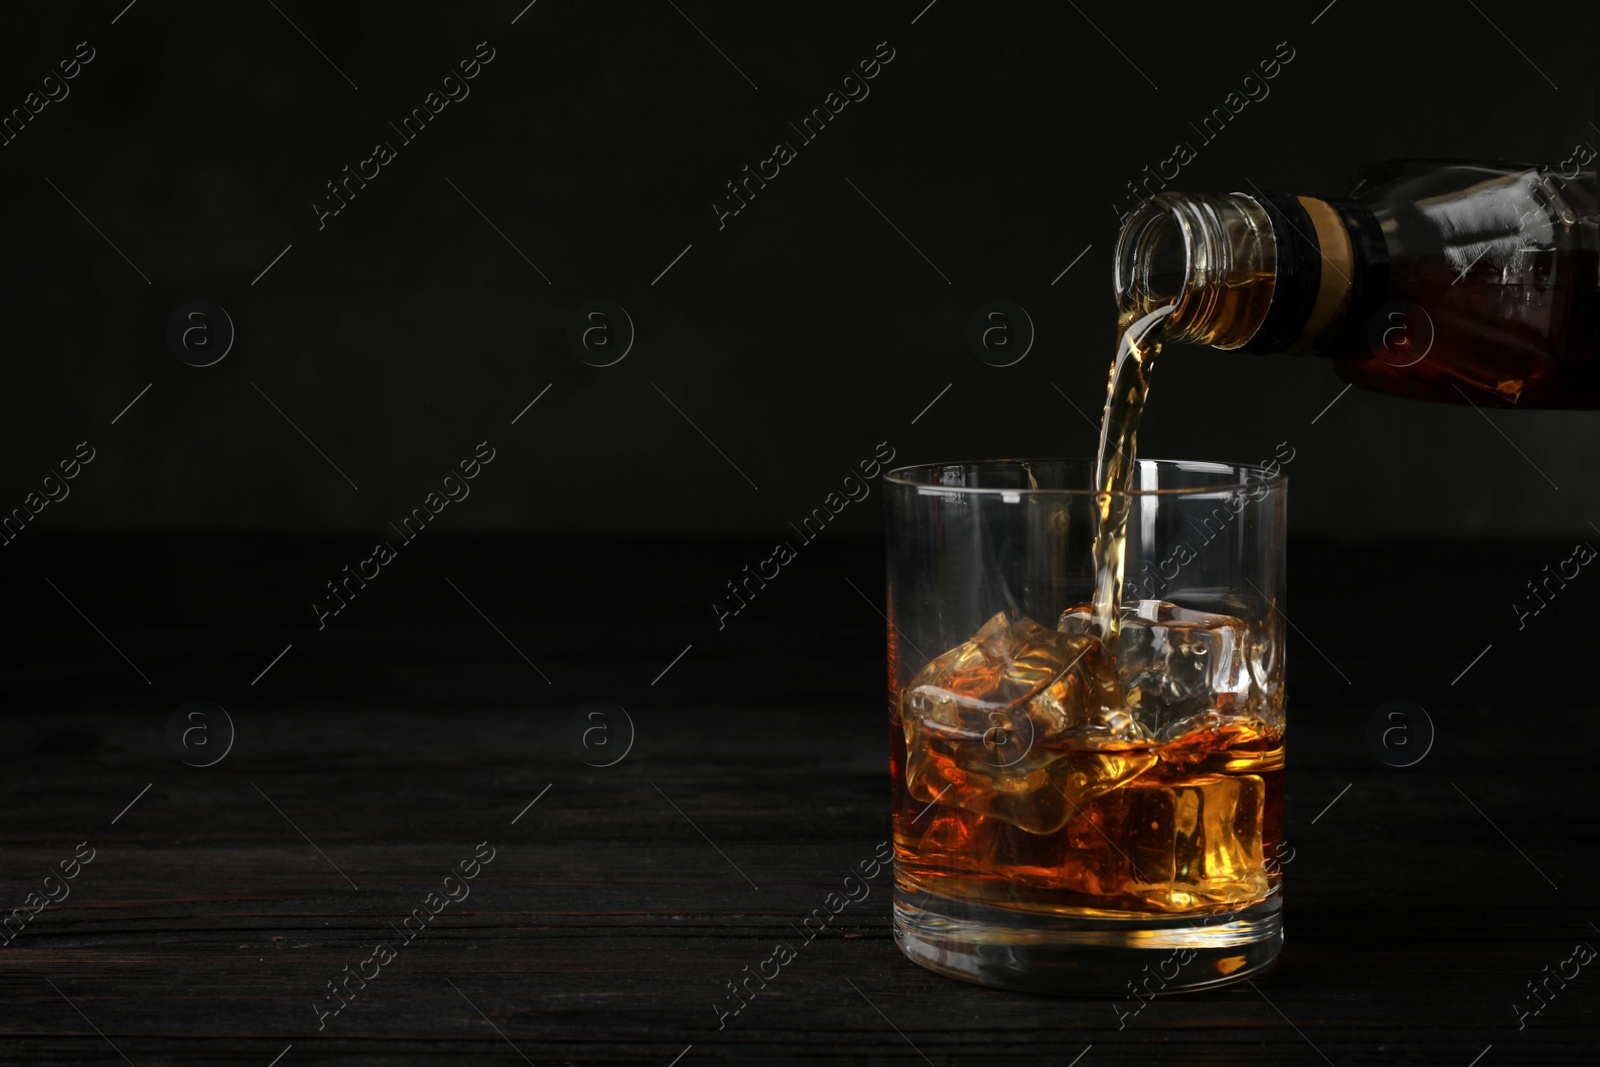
[1083, 809]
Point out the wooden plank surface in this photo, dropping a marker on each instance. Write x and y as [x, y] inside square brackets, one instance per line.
[221, 903]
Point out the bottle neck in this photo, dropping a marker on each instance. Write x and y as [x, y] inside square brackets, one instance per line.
[1265, 273]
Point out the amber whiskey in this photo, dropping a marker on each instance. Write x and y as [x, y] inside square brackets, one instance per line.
[1028, 774]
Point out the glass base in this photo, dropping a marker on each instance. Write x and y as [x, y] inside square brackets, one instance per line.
[1132, 958]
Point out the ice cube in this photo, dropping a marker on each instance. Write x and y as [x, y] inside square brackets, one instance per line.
[1181, 669]
[998, 725]
[1167, 840]
[1195, 842]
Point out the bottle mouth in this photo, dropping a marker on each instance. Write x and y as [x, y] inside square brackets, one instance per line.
[1153, 264]
[1211, 256]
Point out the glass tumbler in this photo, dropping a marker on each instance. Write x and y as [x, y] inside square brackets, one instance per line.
[1086, 803]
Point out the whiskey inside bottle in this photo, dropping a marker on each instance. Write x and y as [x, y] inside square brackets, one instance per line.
[1503, 263]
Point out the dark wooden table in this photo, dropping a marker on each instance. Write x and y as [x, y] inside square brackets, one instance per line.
[433, 719]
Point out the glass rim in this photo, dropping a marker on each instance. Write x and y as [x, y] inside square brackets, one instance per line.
[1238, 477]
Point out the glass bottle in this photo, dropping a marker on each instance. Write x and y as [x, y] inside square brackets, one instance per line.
[1442, 280]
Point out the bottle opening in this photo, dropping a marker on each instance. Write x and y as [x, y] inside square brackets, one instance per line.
[1211, 256]
[1152, 260]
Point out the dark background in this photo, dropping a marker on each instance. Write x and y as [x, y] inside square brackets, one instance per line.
[365, 758]
[796, 338]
